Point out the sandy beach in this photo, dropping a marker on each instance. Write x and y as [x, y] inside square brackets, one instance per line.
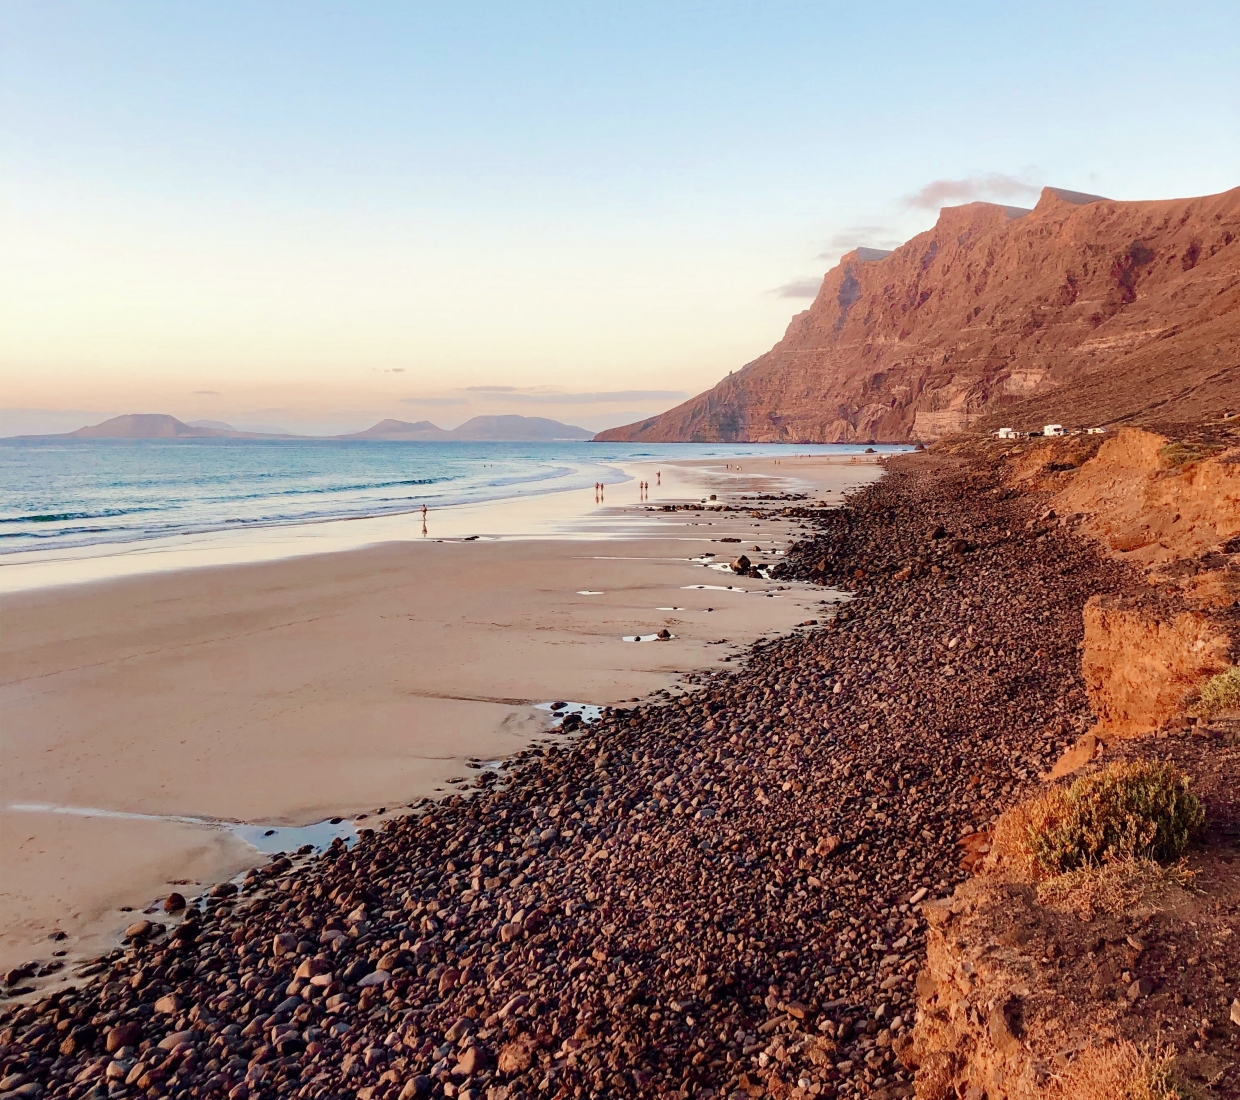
[315, 685]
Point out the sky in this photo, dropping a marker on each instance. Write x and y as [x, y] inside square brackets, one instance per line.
[310, 216]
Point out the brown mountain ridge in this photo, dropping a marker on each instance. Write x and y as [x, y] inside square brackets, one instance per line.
[1081, 310]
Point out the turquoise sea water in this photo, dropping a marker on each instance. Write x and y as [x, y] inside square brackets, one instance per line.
[57, 494]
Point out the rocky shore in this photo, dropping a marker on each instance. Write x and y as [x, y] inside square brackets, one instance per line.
[716, 894]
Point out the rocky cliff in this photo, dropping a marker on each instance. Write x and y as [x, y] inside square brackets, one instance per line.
[1080, 309]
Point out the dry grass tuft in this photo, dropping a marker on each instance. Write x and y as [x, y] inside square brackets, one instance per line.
[1009, 839]
[1115, 888]
[1122, 1071]
[1220, 694]
[1137, 810]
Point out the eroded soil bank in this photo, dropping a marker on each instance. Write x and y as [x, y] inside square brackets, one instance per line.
[1028, 990]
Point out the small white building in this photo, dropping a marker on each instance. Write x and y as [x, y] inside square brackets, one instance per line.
[1053, 429]
[1007, 433]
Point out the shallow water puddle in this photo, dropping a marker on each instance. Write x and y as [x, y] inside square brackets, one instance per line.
[713, 587]
[264, 838]
[588, 711]
[646, 638]
[588, 592]
[288, 839]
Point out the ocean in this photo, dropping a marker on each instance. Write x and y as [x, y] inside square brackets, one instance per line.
[58, 494]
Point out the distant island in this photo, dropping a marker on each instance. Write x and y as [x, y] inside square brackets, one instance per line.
[480, 429]
[493, 429]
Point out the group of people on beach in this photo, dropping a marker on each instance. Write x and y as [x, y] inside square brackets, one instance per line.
[643, 488]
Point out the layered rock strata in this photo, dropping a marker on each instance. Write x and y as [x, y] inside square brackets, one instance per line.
[1083, 311]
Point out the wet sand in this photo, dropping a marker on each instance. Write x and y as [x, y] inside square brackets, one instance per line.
[288, 691]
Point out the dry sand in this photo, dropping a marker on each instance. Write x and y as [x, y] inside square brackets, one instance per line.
[288, 691]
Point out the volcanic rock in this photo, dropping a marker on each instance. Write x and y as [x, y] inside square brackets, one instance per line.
[1083, 310]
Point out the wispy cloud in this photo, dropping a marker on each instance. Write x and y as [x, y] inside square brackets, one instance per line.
[992, 185]
[433, 401]
[490, 389]
[856, 236]
[799, 288]
[207, 393]
[598, 397]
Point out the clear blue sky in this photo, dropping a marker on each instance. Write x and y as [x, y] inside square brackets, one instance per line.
[317, 214]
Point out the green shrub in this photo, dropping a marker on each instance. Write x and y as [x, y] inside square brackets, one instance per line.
[1178, 454]
[1139, 810]
[1222, 693]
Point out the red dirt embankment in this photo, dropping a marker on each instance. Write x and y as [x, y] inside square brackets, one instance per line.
[1023, 996]
[1172, 510]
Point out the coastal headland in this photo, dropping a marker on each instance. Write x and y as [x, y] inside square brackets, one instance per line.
[1121, 312]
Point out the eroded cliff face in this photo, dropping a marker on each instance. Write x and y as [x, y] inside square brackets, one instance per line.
[1172, 510]
[1029, 995]
[1154, 502]
[1018, 989]
[1143, 661]
[1120, 307]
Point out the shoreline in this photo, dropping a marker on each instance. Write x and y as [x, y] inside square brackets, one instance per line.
[285, 692]
[551, 513]
[709, 894]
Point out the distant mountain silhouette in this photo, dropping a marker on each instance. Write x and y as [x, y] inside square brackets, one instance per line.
[517, 429]
[481, 429]
[155, 426]
[495, 429]
[400, 429]
[145, 426]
